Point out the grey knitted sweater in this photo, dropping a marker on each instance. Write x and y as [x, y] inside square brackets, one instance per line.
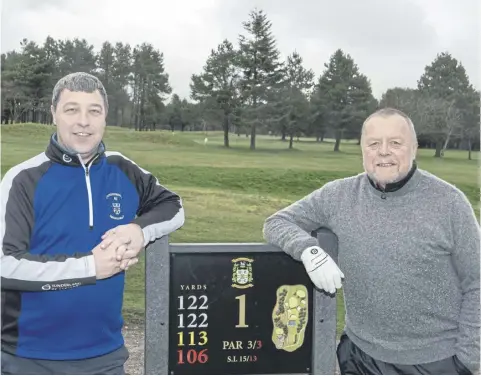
[411, 260]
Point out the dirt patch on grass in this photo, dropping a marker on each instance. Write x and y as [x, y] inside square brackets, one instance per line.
[134, 341]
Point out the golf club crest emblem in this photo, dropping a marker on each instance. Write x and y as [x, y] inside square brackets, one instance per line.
[242, 276]
[115, 200]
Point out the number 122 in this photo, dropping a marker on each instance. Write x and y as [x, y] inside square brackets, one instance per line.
[193, 320]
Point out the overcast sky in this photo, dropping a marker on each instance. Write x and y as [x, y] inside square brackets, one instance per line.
[391, 41]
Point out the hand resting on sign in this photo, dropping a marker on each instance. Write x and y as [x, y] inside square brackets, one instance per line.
[127, 240]
[323, 271]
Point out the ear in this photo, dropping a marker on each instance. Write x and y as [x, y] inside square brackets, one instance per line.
[415, 150]
[52, 110]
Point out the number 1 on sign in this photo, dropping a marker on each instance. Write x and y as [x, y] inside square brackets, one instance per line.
[242, 311]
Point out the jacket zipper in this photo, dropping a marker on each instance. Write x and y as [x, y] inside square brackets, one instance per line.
[89, 191]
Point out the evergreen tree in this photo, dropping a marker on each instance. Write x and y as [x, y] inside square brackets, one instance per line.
[261, 68]
[218, 84]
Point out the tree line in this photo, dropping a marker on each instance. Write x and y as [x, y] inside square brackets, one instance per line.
[243, 88]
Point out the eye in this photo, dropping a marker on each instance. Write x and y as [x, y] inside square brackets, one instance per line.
[95, 111]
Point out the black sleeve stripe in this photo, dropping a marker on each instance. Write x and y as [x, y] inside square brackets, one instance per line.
[160, 211]
[23, 285]
[16, 218]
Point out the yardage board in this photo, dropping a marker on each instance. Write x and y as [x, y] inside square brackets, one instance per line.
[239, 313]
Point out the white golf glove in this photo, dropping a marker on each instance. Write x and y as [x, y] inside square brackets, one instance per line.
[322, 269]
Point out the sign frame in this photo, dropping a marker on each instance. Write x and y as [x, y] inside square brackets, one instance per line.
[157, 288]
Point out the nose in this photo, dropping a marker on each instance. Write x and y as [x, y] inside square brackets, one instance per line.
[83, 119]
[384, 149]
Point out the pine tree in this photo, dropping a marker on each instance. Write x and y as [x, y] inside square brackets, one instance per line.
[344, 95]
[218, 84]
[261, 68]
[444, 87]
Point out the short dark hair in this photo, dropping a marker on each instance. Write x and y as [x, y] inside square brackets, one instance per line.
[79, 81]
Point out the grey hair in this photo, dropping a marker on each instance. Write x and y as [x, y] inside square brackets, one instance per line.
[389, 111]
[79, 81]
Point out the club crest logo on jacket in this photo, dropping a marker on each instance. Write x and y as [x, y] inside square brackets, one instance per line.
[115, 202]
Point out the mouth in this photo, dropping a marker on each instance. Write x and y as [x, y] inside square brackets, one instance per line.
[82, 134]
[385, 164]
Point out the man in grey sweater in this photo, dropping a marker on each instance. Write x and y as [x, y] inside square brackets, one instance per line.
[409, 251]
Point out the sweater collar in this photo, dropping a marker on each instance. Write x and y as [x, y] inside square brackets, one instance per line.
[59, 154]
[397, 188]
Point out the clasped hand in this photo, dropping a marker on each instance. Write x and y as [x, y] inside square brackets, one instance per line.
[118, 250]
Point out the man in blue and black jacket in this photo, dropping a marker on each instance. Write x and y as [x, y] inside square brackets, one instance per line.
[73, 218]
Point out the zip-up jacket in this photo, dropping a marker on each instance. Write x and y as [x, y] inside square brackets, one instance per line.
[54, 210]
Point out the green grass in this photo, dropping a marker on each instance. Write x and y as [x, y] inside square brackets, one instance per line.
[228, 193]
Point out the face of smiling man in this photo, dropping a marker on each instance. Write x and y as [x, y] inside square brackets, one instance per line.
[80, 119]
[388, 148]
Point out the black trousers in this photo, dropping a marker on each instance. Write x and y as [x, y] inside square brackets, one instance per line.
[109, 364]
[353, 361]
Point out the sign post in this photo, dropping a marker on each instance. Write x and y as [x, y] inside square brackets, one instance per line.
[236, 308]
